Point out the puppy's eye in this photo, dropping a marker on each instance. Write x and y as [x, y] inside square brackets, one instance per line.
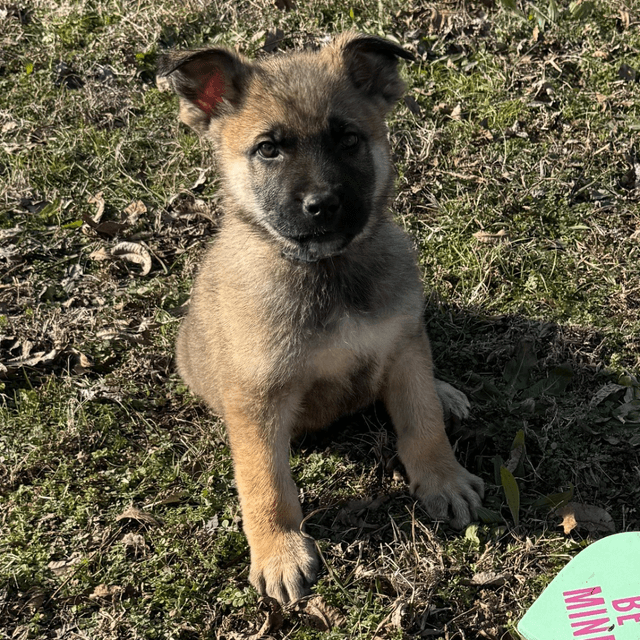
[268, 150]
[349, 140]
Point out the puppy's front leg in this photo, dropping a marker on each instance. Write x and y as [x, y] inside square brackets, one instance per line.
[283, 562]
[435, 476]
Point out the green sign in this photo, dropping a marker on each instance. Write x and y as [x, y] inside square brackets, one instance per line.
[595, 597]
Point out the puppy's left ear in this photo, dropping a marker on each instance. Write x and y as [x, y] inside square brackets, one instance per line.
[209, 82]
[372, 64]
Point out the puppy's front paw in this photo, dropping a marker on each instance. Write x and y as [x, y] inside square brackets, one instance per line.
[285, 568]
[455, 404]
[454, 497]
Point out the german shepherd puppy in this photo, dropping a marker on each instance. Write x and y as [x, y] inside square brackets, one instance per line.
[309, 305]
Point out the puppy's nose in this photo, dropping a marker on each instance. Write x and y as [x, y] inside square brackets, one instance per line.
[322, 207]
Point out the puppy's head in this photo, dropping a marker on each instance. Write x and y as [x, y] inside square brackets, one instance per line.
[300, 138]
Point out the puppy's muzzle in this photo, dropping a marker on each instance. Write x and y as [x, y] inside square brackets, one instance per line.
[322, 209]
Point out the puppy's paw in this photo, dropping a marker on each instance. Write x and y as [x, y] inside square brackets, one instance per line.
[286, 568]
[455, 404]
[454, 498]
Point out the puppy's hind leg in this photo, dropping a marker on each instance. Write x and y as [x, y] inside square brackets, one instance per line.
[455, 404]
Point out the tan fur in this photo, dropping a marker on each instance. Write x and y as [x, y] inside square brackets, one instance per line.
[276, 344]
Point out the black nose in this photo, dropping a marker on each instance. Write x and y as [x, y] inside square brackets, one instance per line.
[322, 207]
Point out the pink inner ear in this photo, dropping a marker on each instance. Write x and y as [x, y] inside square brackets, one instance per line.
[211, 93]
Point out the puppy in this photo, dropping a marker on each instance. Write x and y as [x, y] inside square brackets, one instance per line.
[308, 305]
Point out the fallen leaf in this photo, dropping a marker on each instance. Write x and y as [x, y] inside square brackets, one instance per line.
[105, 592]
[488, 579]
[136, 209]
[33, 360]
[273, 620]
[604, 392]
[517, 452]
[491, 238]
[36, 600]
[625, 19]
[569, 523]
[400, 610]
[134, 543]
[108, 228]
[133, 513]
[554, 500]
[173, 498]
[60, 567]
[593, 519]
[98, 200]
[535, 36]
[456, 113]
[554, 384]
[133, 252]
[518, 370]
[320, 615]
[100, 254]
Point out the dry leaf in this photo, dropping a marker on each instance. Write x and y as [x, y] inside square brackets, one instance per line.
[136, 209]
[625, 18]
[135, 543]
[586, 516]
[163, 83]
[105, 592]
[488, 579]
[82, 364]
[320, 615]
[173, 498]
[439, 21]
[456, 113]
[107, 228]
[60, 567]
[133, 252]
[98, 200]
[491, 238]
[133, 513]
[100, 254]
[36, 600]
[400, 610]
[274, 618]
[33, 360]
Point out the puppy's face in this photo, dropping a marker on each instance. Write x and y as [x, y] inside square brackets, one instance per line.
[301, 139]
[299, 160]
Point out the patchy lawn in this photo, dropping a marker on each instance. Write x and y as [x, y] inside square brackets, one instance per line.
[519, 178]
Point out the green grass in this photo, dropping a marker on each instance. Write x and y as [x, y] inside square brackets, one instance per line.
[519, 182]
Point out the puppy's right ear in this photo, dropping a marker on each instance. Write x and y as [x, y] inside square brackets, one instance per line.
[209, 83]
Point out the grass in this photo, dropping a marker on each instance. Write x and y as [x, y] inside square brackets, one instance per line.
[519, 180]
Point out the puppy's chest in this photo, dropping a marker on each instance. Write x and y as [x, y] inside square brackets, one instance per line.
[343, 369]
[352, 345]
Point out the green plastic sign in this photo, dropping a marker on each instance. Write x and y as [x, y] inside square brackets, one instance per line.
[595, 597]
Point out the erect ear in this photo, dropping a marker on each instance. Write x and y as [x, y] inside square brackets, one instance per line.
[209, 83]
[372, 64]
